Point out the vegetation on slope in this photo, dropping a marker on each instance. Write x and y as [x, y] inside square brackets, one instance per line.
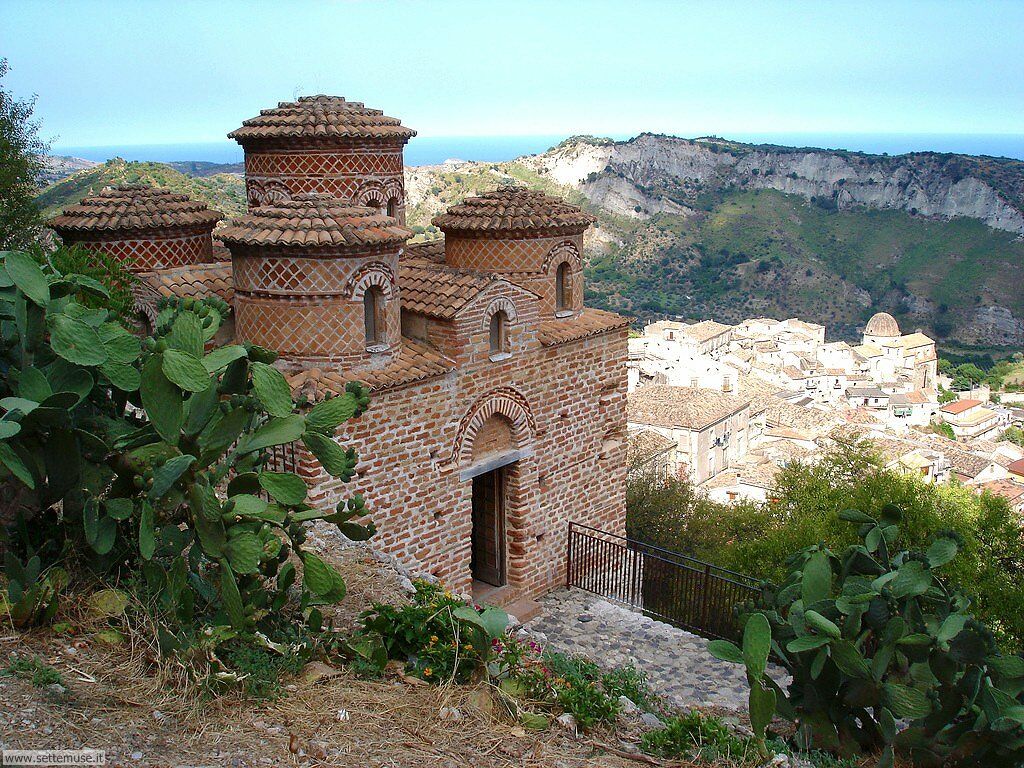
[224, 192]
[765, 252]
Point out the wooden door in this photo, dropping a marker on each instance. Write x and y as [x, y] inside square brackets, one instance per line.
[488, 557]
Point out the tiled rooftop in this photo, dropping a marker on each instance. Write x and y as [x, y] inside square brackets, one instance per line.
[590, 322]
[685, 407]
[438, 291]
[705, 330]
[313, 220]
[133, 207]
[513, 209]
[321, 117]
[195, 280]
[644, 444]
[959, 406]
[415, 362]
[431, 250]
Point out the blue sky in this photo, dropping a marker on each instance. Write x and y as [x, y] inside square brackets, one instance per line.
[150, 72]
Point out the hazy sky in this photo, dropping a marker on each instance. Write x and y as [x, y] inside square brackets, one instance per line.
[155, 72]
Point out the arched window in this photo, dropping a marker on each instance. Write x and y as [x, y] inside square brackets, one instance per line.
[373, 315]
[393, 207]
[499, 333]
[563, 287]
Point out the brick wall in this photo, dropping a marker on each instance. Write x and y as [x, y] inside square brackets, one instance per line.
[143, 252]
[308, 305]
[563, 407]
[530, 262]
[364, 174]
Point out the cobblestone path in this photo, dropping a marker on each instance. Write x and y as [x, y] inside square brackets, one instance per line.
[677, 663]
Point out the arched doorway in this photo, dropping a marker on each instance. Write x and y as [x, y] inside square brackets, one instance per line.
[495, 437]
[494, 454]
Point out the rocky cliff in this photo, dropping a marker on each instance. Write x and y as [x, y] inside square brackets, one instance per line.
[662, 174]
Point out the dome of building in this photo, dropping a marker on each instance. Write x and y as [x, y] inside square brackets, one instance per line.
[882, 325]
[312, 220]
[321, 117]
[513, 209]
[145, 228]
[133, 207]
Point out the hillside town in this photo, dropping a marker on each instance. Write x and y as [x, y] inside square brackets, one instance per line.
[727, 406]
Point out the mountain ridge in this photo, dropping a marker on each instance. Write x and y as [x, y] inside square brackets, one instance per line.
[687, 228]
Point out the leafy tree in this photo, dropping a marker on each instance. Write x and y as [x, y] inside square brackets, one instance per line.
[1014, 435]
[944, 429]
[21, 162]
[945, 366]
[946, 396]
[971, 372]
[757, 538]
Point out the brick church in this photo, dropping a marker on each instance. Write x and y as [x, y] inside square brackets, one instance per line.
[498, 399]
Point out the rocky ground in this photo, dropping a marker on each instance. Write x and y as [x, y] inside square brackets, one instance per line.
[677, 663]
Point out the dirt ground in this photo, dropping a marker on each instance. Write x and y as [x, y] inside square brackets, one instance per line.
[142, 711]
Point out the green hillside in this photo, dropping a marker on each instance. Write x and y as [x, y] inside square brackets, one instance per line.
[764, 252]
[224, 192]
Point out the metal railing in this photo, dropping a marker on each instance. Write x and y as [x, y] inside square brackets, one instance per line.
[680, 590]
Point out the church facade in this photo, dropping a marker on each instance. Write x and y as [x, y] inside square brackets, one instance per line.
[498, 399]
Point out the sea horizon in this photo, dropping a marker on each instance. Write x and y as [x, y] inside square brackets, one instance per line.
[433, 150]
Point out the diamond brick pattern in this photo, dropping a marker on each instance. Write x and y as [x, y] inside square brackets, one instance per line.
[499, 255]
[151, 253]
[296, 275]
[324, 329]
[313, 163]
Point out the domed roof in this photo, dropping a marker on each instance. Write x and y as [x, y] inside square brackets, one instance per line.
[133, 207]
[313, 220]
[513, 209]
[882, 324]
[321, 117]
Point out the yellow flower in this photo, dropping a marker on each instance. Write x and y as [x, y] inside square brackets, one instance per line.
[467, 647]
[433, 639]
[428, 672]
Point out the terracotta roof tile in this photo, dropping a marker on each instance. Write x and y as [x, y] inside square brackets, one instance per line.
[513, 209]
[134, 207]
[416, 362]
[310, 221]
[589, 322]
[195, 280]
[437, 291]
[644, 444]
[687, 407]
[431, 250]
[959, 406]
[321, 117]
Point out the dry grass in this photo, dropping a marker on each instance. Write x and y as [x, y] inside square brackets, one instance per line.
[122, 700]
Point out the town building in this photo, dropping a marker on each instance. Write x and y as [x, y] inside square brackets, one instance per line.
[970, 419]
[498, 399]
[708, 428]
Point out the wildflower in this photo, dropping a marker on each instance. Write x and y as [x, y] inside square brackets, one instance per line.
[428, 672]
[467, 647]
[433, 639]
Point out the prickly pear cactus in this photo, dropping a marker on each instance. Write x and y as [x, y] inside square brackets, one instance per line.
[885, 657]
[156, 448]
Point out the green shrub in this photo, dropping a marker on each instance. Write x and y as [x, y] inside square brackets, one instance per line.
[35, 670]
[154, 451]
[438, 636]
[758, 538]
[261, 670]
[884, 655]
[696, 736]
